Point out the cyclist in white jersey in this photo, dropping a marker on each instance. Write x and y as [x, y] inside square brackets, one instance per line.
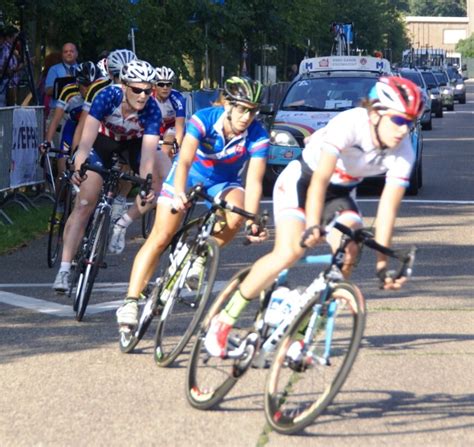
[364, 141]
[124, 119]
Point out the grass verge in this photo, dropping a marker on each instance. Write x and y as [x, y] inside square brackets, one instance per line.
[27, 225]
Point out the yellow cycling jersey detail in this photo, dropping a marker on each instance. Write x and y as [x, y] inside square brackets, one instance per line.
[95, 88]
[68, 92]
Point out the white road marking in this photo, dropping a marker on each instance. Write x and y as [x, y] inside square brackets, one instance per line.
[65, 310]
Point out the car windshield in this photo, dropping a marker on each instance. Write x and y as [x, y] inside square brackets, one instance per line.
[430, 79]
[441, 77]
[328, 94]
[414, 77]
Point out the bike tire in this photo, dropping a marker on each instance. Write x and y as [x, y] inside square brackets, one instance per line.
[92, 261]
[298, 390]
[57, 222]
[148, 219]
[170, 340]
[209, 379]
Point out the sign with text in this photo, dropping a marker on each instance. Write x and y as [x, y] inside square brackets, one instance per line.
[24, 148]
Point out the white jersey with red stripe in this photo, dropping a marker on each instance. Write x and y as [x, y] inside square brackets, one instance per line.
[171, 108]
[348, 136]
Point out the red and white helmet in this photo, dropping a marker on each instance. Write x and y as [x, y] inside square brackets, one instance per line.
[399, 94]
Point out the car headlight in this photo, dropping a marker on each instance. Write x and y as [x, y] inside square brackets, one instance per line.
[282, 138]
[446, 91]
[459, 86]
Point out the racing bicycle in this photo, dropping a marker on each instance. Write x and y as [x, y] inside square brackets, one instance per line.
[179, 304]
[91, 253]
[311, 350]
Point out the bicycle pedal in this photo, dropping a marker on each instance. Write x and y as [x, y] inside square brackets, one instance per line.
[125, 329]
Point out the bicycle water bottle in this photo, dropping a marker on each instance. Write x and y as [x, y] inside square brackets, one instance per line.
[273, 314]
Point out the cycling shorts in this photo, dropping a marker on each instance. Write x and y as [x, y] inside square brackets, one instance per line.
[67, 135]
[212, 188]
[290, 191]
[129, 152]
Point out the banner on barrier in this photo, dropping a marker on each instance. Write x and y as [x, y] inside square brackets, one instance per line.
[24, 147]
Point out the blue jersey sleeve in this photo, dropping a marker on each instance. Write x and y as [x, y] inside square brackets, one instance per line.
[197, 125]
[105, 102]
[259, 141]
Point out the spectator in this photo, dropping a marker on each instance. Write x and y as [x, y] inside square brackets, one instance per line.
[6, 72]
[16, 65]
[66, 67]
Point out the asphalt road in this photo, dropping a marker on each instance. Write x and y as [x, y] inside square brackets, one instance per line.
[66, 383]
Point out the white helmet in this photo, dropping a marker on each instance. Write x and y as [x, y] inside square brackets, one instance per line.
[117, 59]
[102, 66]
[164, 74]
[138, 71]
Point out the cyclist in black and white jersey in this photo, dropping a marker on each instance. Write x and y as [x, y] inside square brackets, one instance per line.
[364, 141]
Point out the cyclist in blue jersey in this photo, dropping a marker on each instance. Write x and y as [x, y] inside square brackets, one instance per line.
[124, 119]
[217, 144]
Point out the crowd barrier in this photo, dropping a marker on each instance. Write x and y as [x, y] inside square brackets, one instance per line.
[21, 131]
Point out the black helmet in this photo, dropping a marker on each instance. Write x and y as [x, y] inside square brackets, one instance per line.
[243, 89]
[86, 73]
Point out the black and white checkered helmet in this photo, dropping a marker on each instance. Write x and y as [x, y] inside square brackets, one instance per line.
[117, 59]
[138, 71]
[165, 74]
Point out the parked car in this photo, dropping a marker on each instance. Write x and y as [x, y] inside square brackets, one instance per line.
[447, 90]
[324, 87]
[434, 91]
[414, 75]
[457, 82]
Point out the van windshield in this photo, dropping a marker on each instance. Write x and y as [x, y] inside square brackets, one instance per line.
[327, 94]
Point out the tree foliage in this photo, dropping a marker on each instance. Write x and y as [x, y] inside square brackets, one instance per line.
[466, 47]
[438, 8]
[178, 33]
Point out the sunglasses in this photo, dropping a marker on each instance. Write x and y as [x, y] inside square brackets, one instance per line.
[242, 110]
[139, 91]
[401, 121]
[164, 84]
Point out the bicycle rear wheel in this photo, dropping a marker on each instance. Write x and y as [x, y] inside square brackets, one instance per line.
[209, 379]
[61, 210]
[91, 262]
[314, 359]
[184, 308]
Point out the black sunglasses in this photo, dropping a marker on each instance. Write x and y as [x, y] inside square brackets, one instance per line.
[139, 91]
[164, 84]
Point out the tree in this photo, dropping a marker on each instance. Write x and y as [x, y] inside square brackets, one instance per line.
[438, 8]
[466, 47]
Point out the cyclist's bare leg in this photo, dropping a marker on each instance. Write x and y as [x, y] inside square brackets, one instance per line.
[285, 253]
[83, 207]
[233, 221]
[147, 258]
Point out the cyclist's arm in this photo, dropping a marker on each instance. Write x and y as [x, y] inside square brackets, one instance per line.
[148, 151]
[253, 184]
[89, 134]
[186, 157]
[179, 127]
[53, 125]
[390, 200]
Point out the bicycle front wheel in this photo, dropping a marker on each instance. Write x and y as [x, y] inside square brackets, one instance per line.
[209, 379]
[91, 262]
[184, 307]
[314, 358]
[57, 221]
